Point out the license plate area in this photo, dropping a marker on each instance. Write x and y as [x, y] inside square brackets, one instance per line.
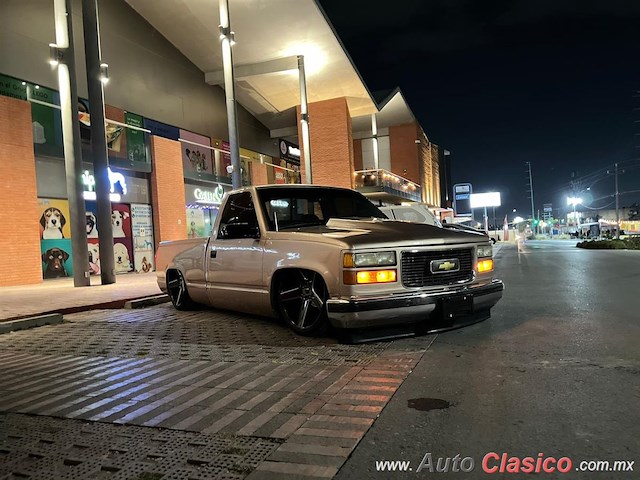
[456, 306]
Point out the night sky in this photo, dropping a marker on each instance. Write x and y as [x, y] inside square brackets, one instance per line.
[504, 82]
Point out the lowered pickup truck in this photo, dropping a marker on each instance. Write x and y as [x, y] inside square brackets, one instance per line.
[313, 255]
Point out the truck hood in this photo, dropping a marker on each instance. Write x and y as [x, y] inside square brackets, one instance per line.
[376, 232]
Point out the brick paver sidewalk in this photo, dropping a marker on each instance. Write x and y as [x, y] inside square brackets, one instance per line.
[237, 396]
[59, 295]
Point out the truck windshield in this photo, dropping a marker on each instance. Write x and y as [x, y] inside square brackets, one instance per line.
[300, 207]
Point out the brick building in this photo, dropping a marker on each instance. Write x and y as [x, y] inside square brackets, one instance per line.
[167, 128]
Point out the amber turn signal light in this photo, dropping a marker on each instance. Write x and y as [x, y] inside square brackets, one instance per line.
[369, 276]
[484, 266]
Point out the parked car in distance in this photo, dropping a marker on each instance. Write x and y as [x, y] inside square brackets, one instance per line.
[467, 228]
[411, 213]
[315, 256]
[421, 214]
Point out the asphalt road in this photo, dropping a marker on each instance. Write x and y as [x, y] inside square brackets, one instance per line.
[556, 371]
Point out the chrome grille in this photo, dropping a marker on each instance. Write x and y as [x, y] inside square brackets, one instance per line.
[416, 271]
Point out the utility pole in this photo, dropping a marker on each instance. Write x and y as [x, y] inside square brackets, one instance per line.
[533, 213]
[617, 205]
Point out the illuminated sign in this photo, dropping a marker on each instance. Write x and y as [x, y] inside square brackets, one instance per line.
[461, 199]
[211, 197]
[289, 151]
[489, 199]
[115, 178]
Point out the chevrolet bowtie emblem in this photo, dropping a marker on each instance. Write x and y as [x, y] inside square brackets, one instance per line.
[446, 266]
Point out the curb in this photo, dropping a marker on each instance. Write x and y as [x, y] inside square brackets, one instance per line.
[109, 305]
[30, 322]
[146, 302]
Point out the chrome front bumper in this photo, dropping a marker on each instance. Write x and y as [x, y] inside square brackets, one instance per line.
[412, 307]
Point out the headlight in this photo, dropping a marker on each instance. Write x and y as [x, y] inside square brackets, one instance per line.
[376, 259]
[485, 251]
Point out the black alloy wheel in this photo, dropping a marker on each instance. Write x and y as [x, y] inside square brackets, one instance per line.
[177, 288]
[301, 297]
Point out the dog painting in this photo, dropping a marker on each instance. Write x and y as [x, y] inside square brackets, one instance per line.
[117, 178]
[52, 222]
[146, 265]
[121, 257]
[198, 160]
[143, 243]
[54, 259]
[92, 230]
[94, 258]
[117, 221]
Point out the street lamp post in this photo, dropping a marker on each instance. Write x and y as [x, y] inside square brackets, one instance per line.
[574, 201]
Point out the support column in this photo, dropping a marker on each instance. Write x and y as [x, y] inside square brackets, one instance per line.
[71, 141]
[226, 38]
[374, 134]
[332, 142]
[304, 121]
[20, 257]
[98, 139]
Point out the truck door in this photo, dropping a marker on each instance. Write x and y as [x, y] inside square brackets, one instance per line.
[234, 255]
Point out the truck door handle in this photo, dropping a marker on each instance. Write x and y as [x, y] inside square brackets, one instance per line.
[213, 253]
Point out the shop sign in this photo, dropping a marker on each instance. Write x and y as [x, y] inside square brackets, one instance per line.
[136, 148]
[207, 196]
[115, 178]
[289, 151]
[162, 129]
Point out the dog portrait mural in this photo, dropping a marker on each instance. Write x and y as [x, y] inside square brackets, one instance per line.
[121, 220]
[195, 157]
[53, 217]
[142, 230]
[56, 258]
[91, 217]
[94, 257]
[123, 255]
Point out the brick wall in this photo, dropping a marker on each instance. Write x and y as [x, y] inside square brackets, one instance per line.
[259, 174]
[436, 153]
[167, 189]
[357, 154]
[404, 151]
[20, 262]
[331, 143]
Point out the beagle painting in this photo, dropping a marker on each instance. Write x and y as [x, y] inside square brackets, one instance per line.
[52, 221]
[54, 259]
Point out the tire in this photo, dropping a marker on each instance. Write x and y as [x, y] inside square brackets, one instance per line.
[301, 301]
[178, 293]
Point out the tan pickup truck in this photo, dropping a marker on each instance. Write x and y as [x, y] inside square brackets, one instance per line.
[314, 255]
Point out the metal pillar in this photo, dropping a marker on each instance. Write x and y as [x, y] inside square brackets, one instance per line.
[533, 212]
[98, 139]
[71, 141]
[226, 38]
[304, 120]
[374, 134]
[617, 206]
